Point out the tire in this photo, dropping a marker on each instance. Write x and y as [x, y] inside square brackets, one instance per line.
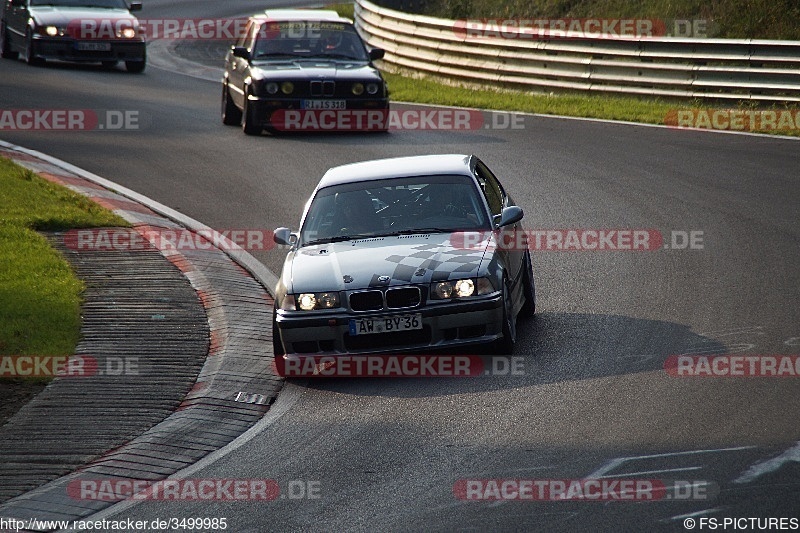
[5, 47]
[231, 115]
[529, 288]
[505, 346]
[29, 57]
[249, 123]
[135, 67]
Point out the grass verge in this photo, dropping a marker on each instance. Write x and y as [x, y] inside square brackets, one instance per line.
[40, 296]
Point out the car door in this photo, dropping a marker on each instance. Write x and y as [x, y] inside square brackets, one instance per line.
[509, 236]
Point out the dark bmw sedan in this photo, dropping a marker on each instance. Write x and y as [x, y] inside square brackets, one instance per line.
[303, 70]
[99, 31]
[404, 254]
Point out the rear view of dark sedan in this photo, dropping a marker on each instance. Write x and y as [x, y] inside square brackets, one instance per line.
[97, 31]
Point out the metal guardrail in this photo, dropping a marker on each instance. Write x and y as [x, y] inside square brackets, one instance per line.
[726, 69]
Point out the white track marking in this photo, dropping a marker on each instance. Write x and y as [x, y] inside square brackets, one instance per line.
[770, 465]
[614, 463]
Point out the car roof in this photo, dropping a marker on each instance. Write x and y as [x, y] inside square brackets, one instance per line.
[301, 15]
[398, 167]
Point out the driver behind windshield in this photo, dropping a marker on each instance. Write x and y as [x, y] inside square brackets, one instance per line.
[356, 213]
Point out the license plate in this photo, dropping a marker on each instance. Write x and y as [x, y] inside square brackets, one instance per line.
[386, 324]
[324, 104]
[93, 47]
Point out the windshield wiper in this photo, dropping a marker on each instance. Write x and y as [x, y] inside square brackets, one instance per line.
[336, 56]
[340, 238]
[274, 54]
[416, 231]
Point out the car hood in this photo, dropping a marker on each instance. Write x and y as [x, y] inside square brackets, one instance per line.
[61, 16]
[308, 69]
[405, 259]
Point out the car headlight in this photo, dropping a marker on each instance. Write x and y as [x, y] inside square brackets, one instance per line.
[309, 301]
[462, 288]
[287, 87]
[358, 89]
[127, 33]
[372, 88]
[443, 290]
[50, 31]
[272, 87]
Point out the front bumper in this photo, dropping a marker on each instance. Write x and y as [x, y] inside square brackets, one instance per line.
[66, 49]
[446, 325]
[288, 114]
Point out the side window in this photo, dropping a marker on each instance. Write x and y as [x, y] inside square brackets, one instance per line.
[491, 189]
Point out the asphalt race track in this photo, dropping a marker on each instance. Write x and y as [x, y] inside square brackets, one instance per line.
[594, 399]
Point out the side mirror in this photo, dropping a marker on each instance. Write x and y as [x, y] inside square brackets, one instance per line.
[284, 236]
[376, 53]
[241, 51]
[510, 215]
[136, 6]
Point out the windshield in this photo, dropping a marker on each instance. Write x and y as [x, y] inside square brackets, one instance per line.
[331, 40]
[399, 206]
[117, 4]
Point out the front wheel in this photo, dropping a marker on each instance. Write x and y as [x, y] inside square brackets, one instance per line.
[249, 124]
[30, 55]
[5, 46]
[529, 287]
[231, 115]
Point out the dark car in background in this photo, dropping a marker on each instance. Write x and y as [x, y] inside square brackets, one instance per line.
[303, 70]
[99, 31]
[400, 255]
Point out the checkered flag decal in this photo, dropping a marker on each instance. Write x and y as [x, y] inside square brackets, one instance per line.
[453, 264]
